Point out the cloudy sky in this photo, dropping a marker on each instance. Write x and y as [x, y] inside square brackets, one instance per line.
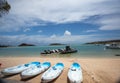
[61, 21]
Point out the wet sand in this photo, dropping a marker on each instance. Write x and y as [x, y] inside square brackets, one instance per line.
[95, 70]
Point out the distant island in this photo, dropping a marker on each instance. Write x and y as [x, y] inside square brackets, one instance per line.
[25, 44]
[104, 42]
[1, 46]
[56, 44]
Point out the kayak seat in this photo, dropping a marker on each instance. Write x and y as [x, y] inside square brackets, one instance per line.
[73, 69]
[19, 66]
[38, 66]
[26, 65]
[54, 68]
[46, 64]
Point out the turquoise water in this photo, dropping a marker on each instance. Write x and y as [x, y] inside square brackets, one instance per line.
[83, 51]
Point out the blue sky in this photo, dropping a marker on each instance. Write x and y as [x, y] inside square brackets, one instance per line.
[64, 21]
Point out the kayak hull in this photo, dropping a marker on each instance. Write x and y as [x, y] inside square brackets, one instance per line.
[47, 80]
[52, 73]
[13, 70]
[75, 74]
[18, 69]
[33, 71]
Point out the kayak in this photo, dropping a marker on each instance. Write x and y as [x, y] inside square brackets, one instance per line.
[35, 70]
[18, 68]
[75, 73]
[52, 73]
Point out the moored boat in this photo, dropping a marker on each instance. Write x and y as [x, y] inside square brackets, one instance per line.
[65, 50]
[112, 46]
[52, 73]
[75, 73]
[68, 50]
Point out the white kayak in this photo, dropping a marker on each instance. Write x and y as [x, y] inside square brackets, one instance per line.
[33, 71]
[75, 73]
[18, 68]
[52, 73]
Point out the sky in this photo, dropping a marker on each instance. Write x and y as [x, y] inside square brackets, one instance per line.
[42, 22]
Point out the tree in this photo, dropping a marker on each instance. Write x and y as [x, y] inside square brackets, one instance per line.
[4, 7]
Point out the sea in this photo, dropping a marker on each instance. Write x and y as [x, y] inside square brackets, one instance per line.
[84, 51]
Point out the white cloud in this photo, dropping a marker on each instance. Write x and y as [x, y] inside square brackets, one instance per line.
[53, 36]
[39, 31]
[110, 22]
[10, 23]
[91, 30]
[67, 33]
[39, 39]
[26, 29]
[26, 13]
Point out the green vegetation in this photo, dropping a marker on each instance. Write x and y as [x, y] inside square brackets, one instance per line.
[4, 7]
[104, 42]
[56, 44]
[1, 46]
[25, 44]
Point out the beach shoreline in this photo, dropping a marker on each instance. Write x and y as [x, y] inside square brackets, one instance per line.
[95, 70]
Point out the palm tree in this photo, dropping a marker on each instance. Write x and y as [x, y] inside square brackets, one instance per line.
[4, 7]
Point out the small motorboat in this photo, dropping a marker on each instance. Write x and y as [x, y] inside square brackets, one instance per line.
[52, 73]
[35, 70]
[75, 73]
[18, 68]
[117, 54]
[68, 50]
[112, 46]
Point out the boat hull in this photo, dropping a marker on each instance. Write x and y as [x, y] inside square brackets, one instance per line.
[13, 70]
[33, 71]
[52, 73]
[66, 52]
[18, 69]
[110, 47]
[75, 74]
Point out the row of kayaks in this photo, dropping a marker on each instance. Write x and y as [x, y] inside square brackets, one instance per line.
[50, 73]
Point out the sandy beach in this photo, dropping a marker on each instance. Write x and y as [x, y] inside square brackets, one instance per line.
[95, 70]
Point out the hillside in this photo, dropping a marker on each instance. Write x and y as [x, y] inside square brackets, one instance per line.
[25, 44]
[56, 44]
[104, 42]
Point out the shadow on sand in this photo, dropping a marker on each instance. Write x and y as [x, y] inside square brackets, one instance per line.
[10, 81]
[7, 76]
[68, 81]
